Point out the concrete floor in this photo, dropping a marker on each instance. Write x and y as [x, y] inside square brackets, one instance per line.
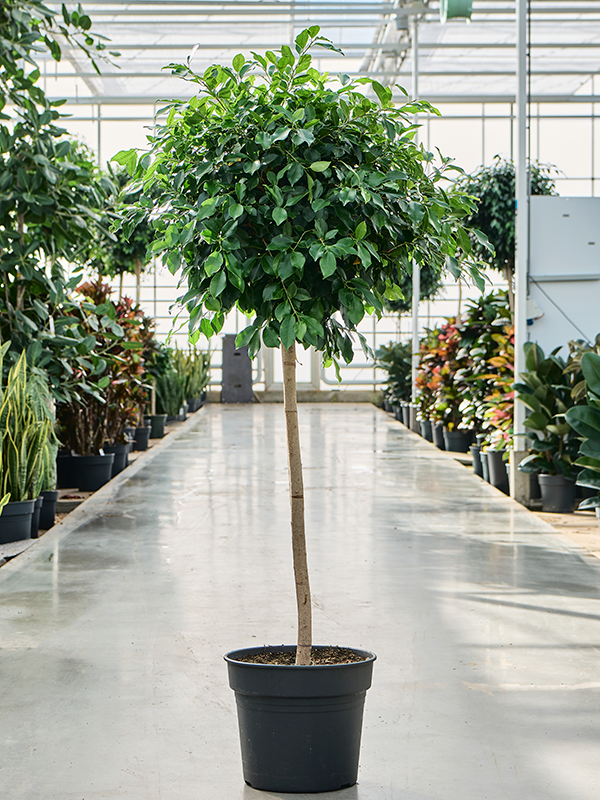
[485, 621]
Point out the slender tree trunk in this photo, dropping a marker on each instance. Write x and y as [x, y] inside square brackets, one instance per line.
[459, 297]
[120, 286]
[297, 506]
[138, 280]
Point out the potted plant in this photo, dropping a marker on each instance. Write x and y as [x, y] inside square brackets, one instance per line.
[24, 434]
[194, 366]
[428, 382]
[494, 214]
[170, 395]
[448, 398]
[93, 425]
[545, 388]
[301, 204]
[585, 421]
[395, 359]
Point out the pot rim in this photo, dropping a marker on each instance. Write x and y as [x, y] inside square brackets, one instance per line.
[287, 647]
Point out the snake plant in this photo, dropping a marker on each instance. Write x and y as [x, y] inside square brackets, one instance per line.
[26, 433]
[194, 365]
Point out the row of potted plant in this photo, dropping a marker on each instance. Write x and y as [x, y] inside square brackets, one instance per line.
[95, 426]
[464, 378]
[467, 392]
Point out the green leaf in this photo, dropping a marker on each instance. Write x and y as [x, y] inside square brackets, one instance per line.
[238, 62]
[590, 366]
[243, 338]
[206, 328]
[287, 332]
[279, 215]
[294, 173]
[127, 159]
[537, 421]
[103, 382]
[363, 254]
[585, 420]
[218, 283]
[328, 264]
[319, 166]
[281, 134]
[590, 463]
[303, 136]
[361, 230]
[588, 478]
[383, 93]
[213, 263]
[270, 337]
[298, 260]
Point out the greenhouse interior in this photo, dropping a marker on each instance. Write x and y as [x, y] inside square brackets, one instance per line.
[300, 399]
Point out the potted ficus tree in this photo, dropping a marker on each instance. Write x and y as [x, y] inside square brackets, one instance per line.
[301, 202]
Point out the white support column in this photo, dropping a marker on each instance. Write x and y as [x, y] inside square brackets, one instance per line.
[416, 276]
[520, 481]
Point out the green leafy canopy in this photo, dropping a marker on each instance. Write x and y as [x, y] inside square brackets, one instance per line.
[300, 200]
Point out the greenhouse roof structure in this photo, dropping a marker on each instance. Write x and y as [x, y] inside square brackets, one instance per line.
[460, 61]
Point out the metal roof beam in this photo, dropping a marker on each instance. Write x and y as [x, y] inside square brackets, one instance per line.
[119, 100]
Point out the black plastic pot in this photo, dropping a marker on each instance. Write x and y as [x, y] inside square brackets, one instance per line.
[558, 494]
[475, 451]
[437, 432]
[15, 521]
[157, 426]
[142, 437]
[66, 477]
[93, 471]
[485, 469]
[406, 414]
[458, 441]
[121, 454]
[497, 469]
[300, 727]
[35, 517]
[426, 431]
[48, 510]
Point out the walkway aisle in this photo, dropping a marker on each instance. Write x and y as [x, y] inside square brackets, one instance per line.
[486, 624]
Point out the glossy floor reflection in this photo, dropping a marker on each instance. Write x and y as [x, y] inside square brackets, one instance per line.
[486, 624]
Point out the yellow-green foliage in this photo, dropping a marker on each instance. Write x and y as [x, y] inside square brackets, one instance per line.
[194, 366]
[26, 434]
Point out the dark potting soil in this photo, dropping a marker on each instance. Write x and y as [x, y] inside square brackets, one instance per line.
[319, 657]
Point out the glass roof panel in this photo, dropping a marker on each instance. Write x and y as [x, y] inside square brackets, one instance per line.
[459, 61]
